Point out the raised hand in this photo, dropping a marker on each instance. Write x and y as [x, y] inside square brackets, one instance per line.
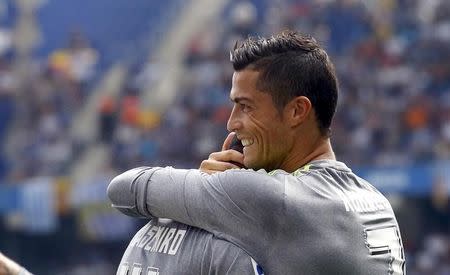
[223, 160]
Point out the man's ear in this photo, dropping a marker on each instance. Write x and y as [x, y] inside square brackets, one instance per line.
[298, 110]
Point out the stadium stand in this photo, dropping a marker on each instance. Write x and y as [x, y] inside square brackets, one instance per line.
[392, 124]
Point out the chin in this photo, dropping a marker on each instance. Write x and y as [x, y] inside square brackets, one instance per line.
[252, 165]
[255, 165]
[248, 164]
[250, 160]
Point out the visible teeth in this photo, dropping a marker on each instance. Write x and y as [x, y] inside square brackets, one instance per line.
[246, 142]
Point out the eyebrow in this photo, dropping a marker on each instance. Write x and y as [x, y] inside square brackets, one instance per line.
[240, 99]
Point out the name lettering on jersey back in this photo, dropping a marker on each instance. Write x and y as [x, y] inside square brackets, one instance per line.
[363, 201]
[159, 239]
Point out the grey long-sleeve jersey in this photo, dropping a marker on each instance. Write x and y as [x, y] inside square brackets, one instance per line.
[321, 219]
[163, 246]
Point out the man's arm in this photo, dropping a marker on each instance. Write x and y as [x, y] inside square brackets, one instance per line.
[242, 206]
[122, 189]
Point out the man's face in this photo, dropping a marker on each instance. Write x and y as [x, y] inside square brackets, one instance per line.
[258, 123]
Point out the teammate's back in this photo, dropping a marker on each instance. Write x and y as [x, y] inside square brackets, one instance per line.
[163, 246]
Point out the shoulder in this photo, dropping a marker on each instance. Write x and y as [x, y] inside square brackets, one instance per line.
[251, 179]
[251, 175]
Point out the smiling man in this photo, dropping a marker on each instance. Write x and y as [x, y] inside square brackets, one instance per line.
[295, 210]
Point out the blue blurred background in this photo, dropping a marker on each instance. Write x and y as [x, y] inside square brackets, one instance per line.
[89, 89]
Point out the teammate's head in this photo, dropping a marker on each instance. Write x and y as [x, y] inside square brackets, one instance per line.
[285, 88]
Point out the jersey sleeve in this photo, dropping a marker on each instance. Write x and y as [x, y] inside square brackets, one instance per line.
[122, 189]
[242, 206]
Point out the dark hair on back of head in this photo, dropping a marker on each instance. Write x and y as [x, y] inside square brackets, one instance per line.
[290, 65]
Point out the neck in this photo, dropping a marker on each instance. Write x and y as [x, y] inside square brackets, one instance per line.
[320, 149]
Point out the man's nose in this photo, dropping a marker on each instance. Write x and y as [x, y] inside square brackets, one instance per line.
[234, 122]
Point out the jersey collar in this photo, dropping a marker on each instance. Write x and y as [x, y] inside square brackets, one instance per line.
[320, 164]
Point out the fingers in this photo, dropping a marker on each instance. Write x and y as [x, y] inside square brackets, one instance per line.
[227, 156]
[211, 166]
[223, 160]
[228, 140]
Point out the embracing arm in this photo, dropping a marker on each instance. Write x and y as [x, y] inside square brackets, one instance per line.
[243, 206]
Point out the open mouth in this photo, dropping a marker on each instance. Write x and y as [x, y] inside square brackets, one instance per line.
[246, 142]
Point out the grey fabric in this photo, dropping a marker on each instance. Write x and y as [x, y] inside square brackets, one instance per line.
[166, 247]
[321, 219]
[163, 246]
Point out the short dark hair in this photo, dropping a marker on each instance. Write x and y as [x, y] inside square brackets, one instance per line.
[291, 64]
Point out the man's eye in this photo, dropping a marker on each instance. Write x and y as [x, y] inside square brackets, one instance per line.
[244, 107]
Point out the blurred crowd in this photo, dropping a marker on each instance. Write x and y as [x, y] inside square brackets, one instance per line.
[433, 258]
[392, 58]
[38, 107]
